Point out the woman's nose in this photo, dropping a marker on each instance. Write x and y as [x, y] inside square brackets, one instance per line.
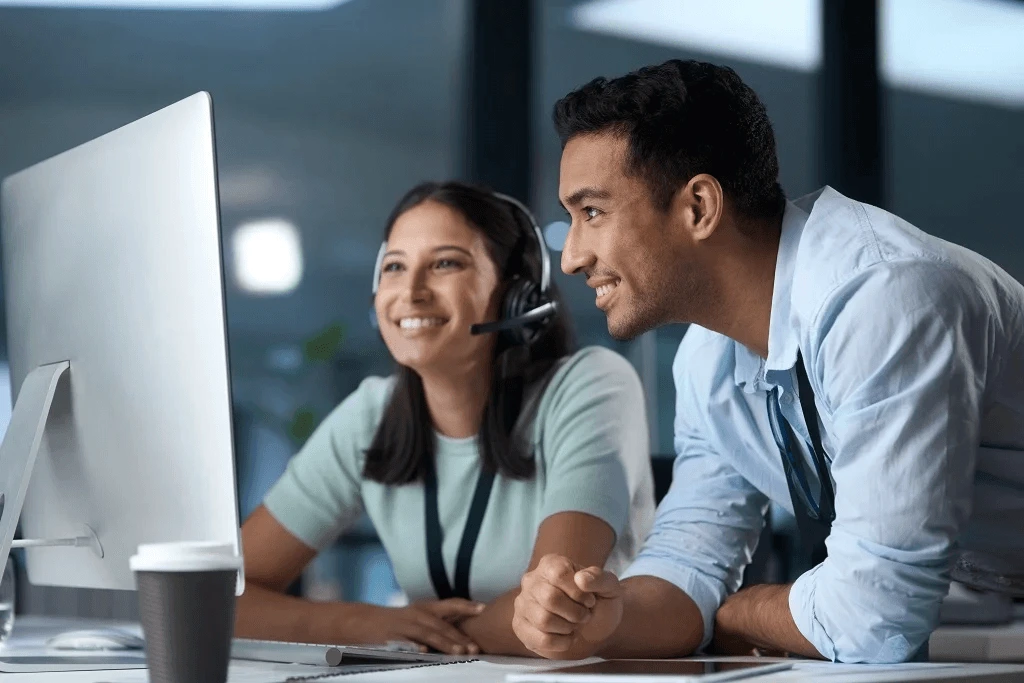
[417, 289]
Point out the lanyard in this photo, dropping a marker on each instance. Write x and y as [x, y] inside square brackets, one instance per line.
[435, 535]
[814, 520]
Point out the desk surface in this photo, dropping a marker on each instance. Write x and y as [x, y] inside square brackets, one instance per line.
[31, 631]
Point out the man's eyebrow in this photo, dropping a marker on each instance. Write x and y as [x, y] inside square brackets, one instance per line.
[585, 193]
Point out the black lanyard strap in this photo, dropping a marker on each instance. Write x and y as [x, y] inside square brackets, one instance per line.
[470, 534]
[814, 527]
[827, 504]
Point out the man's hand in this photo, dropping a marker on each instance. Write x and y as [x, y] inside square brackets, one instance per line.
[430, 623]
[565, 611]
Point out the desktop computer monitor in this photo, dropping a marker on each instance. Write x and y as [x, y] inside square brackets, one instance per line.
[121, 429]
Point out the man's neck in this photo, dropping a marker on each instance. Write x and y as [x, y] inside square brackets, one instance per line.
[456, 400]
[744, 277]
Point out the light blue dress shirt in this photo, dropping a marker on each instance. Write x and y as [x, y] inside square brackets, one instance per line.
[915, 351]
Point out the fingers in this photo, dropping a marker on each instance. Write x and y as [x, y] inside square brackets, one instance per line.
[544, 643]
[454, 609]
[440, 635]
[559, 572]
[551, 609]
[596, 581]
[544, 620]
[548, 607]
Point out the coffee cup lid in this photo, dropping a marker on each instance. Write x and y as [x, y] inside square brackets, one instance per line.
[185, 556]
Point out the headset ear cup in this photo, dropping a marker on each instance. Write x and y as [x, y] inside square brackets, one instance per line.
[522, 296]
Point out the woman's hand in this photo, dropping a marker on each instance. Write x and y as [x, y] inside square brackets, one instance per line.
[429, 624]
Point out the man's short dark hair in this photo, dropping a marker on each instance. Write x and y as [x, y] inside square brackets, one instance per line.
[683, 118]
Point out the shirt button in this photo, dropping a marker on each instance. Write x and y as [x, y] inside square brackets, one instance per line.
[787, 398]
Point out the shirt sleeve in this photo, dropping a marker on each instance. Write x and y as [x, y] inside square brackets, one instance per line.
[595, 426]
[708, 524]
[903, 353]
[319, 494]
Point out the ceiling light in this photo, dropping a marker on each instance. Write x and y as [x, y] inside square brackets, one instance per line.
[785, 33]
[962, 49]
[267, 256]
[966, 49]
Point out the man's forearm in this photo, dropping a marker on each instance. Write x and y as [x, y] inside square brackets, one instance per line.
[759, 617]
[658, 620]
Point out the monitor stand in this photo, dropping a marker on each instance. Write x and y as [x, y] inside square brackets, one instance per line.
[18, 454]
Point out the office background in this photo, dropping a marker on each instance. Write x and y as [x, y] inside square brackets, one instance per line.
[327, 111]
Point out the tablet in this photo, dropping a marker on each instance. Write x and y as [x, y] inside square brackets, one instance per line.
[649, 671]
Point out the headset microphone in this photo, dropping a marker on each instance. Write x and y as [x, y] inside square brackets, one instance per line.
[536, 315]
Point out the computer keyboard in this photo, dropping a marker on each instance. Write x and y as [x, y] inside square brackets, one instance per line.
[328, 655]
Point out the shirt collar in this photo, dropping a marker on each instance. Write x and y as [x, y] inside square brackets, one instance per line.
[751, 371]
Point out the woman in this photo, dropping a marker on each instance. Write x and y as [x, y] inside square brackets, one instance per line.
[508, 439]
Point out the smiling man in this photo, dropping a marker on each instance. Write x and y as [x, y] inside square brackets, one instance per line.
[840, 362]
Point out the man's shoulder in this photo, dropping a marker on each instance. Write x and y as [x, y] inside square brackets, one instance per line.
[846, 242]
[842, 239]
[704, 359]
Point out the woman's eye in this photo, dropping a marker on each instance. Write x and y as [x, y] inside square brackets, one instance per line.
[448, 263]
[590, 212]
[392, 267]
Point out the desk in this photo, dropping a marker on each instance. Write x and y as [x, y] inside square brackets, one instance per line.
[1003, 643]
[30, 631]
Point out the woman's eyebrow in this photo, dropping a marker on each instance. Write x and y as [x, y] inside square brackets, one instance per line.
[452, 247]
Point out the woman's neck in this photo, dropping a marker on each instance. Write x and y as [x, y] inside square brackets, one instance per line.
[456, 400]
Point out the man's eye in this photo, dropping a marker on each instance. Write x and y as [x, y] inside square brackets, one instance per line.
[590, 212]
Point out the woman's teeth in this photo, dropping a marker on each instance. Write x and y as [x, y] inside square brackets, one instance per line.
[605, 289]
[413, 323]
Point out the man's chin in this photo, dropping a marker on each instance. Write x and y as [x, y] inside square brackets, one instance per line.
[627, 330]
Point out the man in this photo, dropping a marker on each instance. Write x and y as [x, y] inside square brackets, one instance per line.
[840, 362]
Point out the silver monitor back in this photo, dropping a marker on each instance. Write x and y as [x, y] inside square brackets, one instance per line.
[112, 262]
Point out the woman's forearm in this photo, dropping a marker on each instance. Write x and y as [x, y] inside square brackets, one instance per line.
[269, 615]
[492, 628]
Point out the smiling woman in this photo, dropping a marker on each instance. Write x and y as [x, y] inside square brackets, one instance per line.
[480, 455]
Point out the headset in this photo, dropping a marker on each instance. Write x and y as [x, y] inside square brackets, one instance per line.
[527, 305]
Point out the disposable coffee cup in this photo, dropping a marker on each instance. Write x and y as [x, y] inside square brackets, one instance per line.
[187, 605]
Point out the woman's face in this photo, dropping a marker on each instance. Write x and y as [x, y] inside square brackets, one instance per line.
[436, 280]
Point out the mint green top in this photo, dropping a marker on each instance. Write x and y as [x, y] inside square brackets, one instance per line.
[590, 442]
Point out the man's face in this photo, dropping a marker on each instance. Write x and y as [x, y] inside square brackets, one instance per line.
[619, 239]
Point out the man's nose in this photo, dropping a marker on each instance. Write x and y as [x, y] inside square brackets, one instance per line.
[575, 257]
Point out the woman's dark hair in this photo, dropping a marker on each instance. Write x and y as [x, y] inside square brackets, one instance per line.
[683, 118]
[405, 441]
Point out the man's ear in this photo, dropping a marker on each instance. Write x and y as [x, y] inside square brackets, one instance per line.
[700, 203]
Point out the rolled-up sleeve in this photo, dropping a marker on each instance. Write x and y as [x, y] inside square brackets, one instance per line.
[905, 383]
[707, 526]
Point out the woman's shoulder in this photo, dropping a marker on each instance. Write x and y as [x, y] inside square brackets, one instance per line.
[594, 364]
[591, 371]
[359, 414]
